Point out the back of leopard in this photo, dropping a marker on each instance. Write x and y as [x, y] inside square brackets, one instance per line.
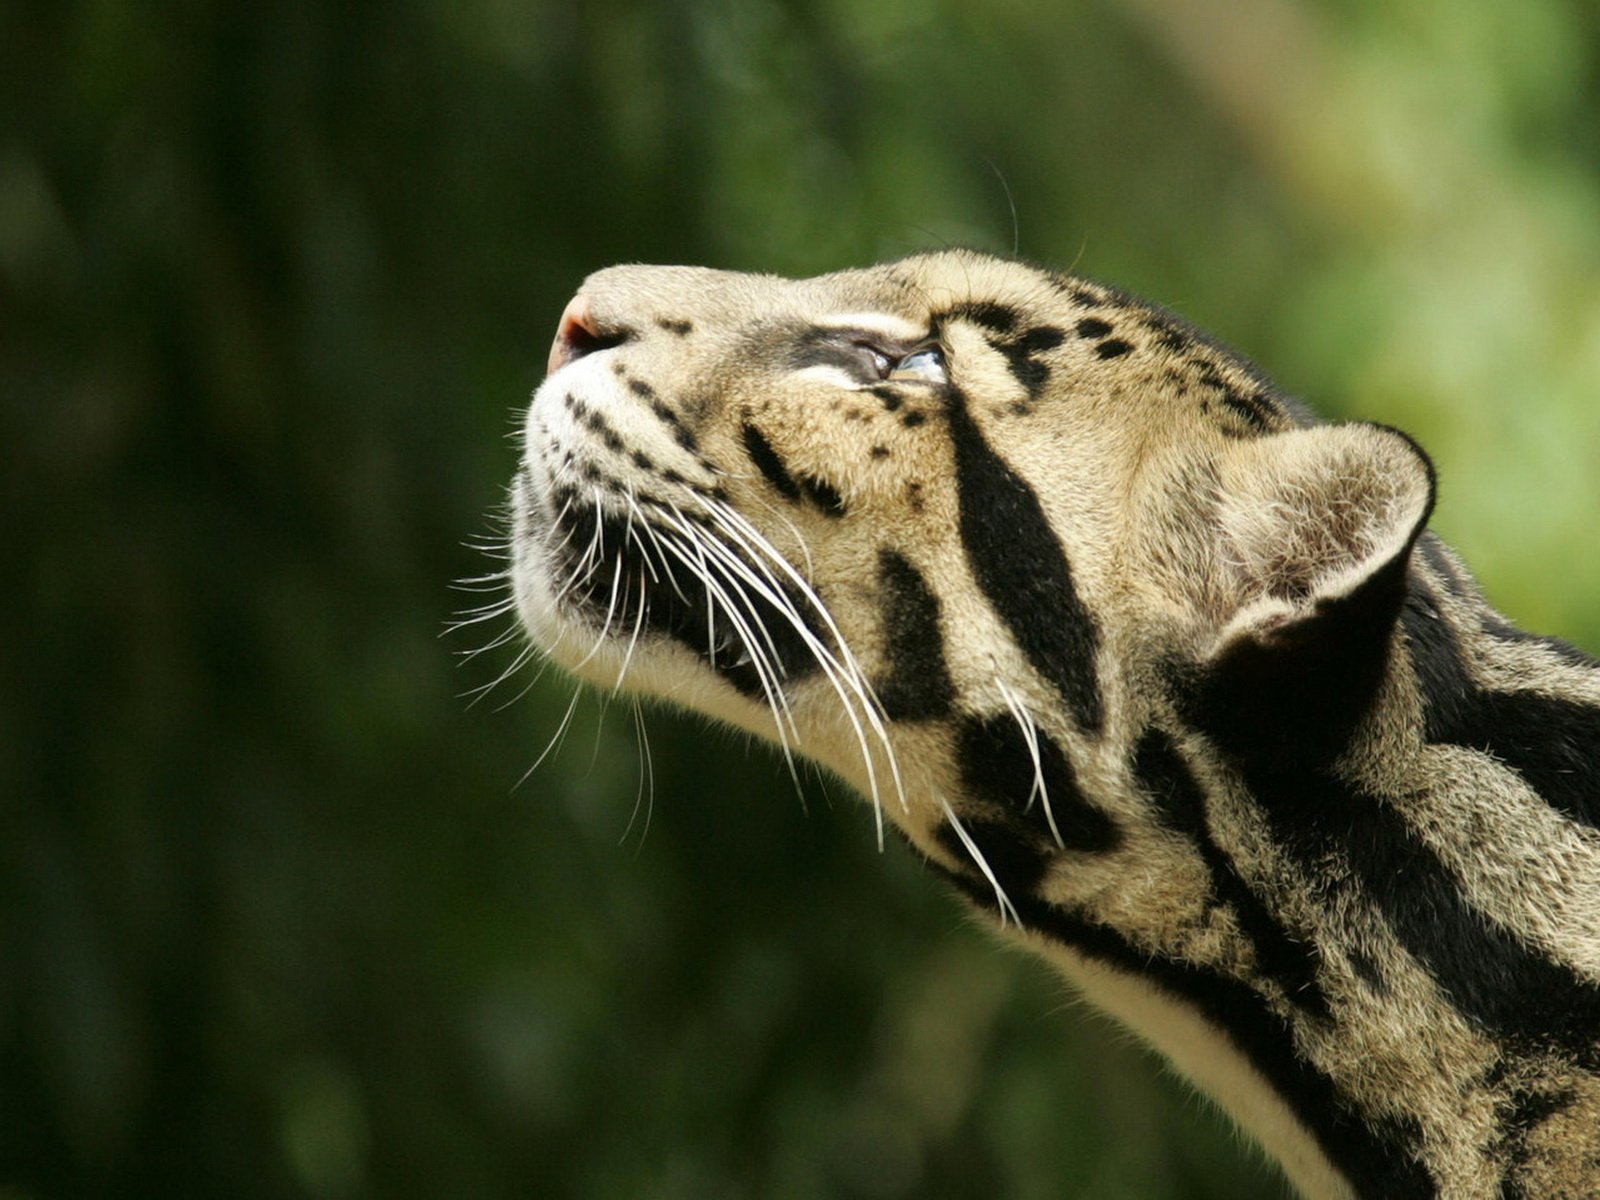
[1164, 675]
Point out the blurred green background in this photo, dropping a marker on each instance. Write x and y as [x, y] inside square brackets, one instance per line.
[277, 918]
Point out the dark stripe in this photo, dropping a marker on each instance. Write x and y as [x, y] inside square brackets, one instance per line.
[1377, 1156]
[918, 686]
[768, 463]
[1020, 567]
[1490, 973]
[1179, 798]
[1256, 409]
[997, 318]
[1550, 741]
[1502, 630]
[996, 765]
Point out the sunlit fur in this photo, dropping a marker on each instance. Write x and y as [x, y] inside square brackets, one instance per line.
[1160, 672]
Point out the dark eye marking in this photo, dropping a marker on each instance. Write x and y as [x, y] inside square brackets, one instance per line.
[854, 352]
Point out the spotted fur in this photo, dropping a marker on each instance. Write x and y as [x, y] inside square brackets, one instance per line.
[1159, 671]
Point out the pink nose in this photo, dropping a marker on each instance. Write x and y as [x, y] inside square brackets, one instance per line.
[575, 335]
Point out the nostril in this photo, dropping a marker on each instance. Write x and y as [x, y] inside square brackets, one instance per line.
[578, 333]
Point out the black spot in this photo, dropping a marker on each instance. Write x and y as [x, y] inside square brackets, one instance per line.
[1112, 348]
[997, 765]
[768, 463]
[643, 461]
[912, 419]
[1093, 327]
[679, 328]
[1021, 354]
[891, 399]
[1085, 298]
[914, 496]
[1548, 740]
[1378, 1156]
[918, 686]
[1019, 565]
[879, 452]
[1041, 338]
[823, 494]
[1166, 778]
[640, 388]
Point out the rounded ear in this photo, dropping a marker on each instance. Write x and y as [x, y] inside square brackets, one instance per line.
[1309, 516]
[1316, 529]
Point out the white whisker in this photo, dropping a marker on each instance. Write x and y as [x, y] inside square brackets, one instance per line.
[1001, 899]
[555, 739]
[1030, 735]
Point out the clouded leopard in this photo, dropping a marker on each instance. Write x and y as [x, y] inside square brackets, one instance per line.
[1164, 674]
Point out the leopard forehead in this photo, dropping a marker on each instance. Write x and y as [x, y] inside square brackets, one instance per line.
[1055, 334]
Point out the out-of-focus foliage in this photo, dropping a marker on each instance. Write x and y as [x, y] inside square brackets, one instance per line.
[277, 917]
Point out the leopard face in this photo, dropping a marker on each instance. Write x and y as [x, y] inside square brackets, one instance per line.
[925, 521]
[1160, 672]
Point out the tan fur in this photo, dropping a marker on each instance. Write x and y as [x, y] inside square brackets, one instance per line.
[1192, 528]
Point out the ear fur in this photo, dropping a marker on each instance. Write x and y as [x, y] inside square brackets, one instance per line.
[1308, 516]
[1316, 528]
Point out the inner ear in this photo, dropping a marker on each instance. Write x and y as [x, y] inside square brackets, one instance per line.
[1309, 516]
[1316, 528]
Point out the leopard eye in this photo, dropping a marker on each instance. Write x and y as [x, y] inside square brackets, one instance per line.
[881, 364]
[925, 365]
